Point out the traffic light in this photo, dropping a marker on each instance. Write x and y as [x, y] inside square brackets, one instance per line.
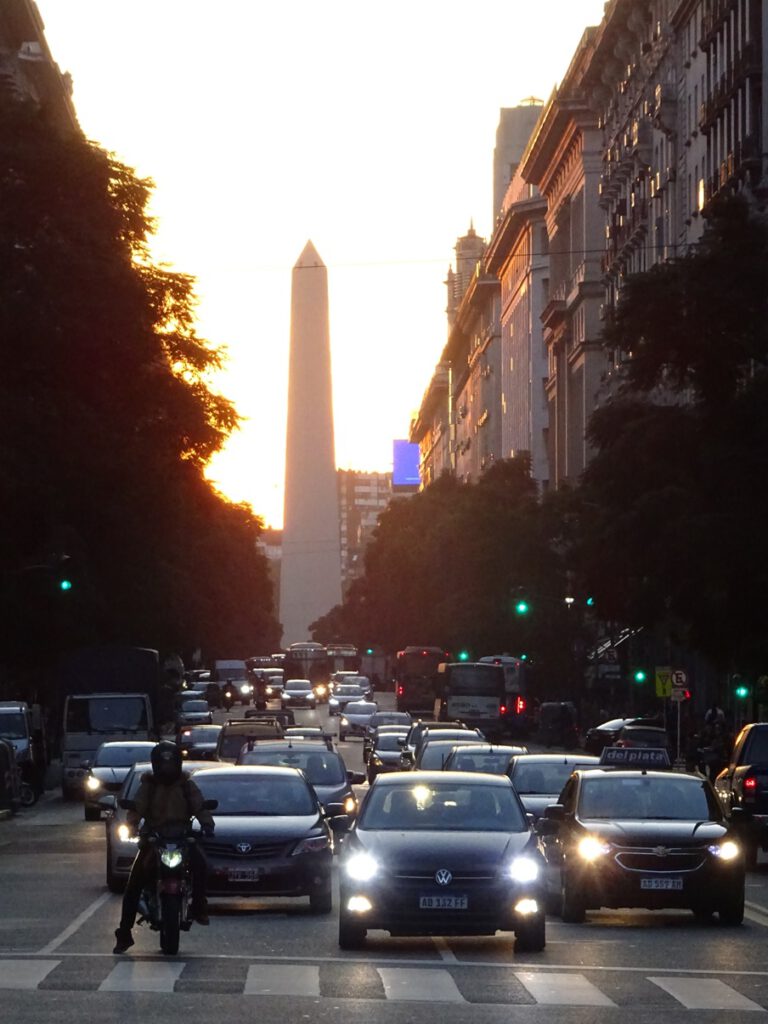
[590, 602]
[369, 650]
[639, 676]
[65, 584]
[463, 655]
[521, 606]
[741, 691]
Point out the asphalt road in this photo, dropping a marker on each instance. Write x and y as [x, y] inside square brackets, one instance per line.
[274, 960]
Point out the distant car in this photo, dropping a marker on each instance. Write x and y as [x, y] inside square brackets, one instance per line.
[604, 735]
[343, 694]
[272, 837]
[539, 778]
[482, 757]
[370, 738]
[324, 768]
[433, 755]
[236, 733]
[309, 732]
[106, 773]
[450, 855]
[194, 712]
[298, 693]
[385, 754]
[198, 742]
[398, 718]
[122, 843]
[284, 716]
[642, 736]
[354, 721]
[363, 683]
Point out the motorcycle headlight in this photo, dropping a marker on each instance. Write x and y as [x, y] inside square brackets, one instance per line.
[523, 869]
[314, 844]
[125, 835]
[333, 701]
[171, 858]
[591, 848]
[269, 691]
[725, 851]
[320, 690]
[245, 688]
[361, 867]
[344, 721]
[92, 783]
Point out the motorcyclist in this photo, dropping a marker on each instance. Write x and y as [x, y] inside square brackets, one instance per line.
[167, 799]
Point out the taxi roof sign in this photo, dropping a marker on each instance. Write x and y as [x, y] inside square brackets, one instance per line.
[635, 757]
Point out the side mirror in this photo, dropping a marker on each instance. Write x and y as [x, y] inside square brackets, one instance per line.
[530, 818]
[210, 805]
[108, 802]
[126, 804]
[547, 827]
[356, 778]
[401, 741]
[85, 764]
[555, 812]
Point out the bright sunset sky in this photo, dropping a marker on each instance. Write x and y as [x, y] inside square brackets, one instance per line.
[367, 128]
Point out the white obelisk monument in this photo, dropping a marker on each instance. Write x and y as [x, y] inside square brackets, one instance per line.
[310, 575]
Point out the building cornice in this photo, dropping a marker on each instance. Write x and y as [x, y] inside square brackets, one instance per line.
[514, 222]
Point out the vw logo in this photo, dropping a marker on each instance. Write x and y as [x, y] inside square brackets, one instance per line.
[243, 847]
[660, 851]
[443, 876]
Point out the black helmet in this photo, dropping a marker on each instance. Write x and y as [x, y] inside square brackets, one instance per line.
[166, 761]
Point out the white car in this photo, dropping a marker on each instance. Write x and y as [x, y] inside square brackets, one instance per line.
[355, 718]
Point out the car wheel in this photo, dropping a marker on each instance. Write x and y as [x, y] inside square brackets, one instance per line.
[731, 914]
[351, 934]
[321, 900]
[530, 934]
[572, 909]
[92, 813]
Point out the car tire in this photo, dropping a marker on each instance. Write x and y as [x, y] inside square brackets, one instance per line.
[572, 909]
[321, 900]
[731, 914]
[351, 934]
[92, 813]
[530, 935]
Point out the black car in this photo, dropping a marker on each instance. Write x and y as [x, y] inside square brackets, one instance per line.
[641, 838]
[198, 742]
[482, 757]
[435, 748]
[298, 693]
[539, 778]
[324, 768]
[193, 712]
[106, 773]
[444, 853]
[380, 723]
[604, 735]
[385, 755]
[272, 838]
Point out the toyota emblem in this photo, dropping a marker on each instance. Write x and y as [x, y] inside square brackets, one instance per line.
[243, 847]
[443, 876]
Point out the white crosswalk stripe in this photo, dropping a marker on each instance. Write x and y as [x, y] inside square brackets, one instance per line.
[283, 980]
[432, 985]
[142, 976]
[705, 994]
[25, 973]
[551, 989]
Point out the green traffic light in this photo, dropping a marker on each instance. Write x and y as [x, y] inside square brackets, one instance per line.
[590, 602]
[639, 675]
[65, 584]
[522, 607]
[369, 650]
[741, 691]
[463, 655]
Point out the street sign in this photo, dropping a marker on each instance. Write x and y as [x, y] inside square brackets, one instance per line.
[663, 681]
[679, 685]
[677, 696]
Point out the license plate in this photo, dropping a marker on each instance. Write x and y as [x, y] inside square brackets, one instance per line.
[443, 902]
[661, 883]
[244, 875]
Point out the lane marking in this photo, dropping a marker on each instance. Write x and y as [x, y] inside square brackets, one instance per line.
[444, 950]
[705, 994]
[76, 924]
[562, 989]
[282, 980]
[433, 986]
[143, 976]
[27, 974]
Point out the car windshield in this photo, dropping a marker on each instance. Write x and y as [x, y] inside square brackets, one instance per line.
[13, 726]
[194, 706]
[107, 714]
[348, 691]
[322, 768]
[669, 798]
[298, 684]
[391, 718]
[535, 777]
[389, 741]
[492, 761]
[121, 757]
[262, 795]
[359, 708]
[453, 807]
[434, 755]
[233, 743]
[201, 734]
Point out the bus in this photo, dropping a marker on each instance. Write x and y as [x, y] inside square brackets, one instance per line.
[417, 679]
[307, 661]
[342, 658]
[476, 693]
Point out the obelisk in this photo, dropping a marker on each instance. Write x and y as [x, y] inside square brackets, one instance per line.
[310, 574]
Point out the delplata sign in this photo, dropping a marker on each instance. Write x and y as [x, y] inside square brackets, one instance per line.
[635, 757]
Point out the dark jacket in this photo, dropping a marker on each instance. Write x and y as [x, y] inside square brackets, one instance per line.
[173, 804]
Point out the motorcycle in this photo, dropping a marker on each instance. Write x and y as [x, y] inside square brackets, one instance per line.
[228, 698]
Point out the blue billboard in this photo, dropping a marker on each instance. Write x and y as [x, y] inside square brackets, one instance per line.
[405, 464]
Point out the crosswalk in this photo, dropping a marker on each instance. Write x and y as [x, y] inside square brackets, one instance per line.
[358, 979]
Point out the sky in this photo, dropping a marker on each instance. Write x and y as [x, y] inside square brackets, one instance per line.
[366, 127]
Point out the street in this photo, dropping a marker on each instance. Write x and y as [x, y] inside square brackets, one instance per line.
[275, 959]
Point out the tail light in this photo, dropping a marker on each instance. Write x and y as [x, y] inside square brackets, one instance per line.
[750, 783]
[400, 691]
[503, 709]
[520, 705]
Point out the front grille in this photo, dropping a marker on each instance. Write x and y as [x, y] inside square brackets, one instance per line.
[429, 876]
[259, 852]
[652, 859]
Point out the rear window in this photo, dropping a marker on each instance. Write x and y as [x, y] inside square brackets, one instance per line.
[360, 708]
[322, 768]
[194, 706]
[389, 742]
[121, 757]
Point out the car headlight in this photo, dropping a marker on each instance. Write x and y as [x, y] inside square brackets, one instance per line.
[334, 702]
[320, 690]
[523, 869]
[125, 835]
[171, 858]
[313, 844]
[591, 848]
[92, 783]
[245, 688]
[361, 867]
[350, 805]
[344, 721]
[185, 753]
[725, 851]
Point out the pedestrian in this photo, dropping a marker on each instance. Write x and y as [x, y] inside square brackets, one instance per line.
[167, 799]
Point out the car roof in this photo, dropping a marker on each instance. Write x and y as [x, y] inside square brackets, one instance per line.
[637, 727]
[255, 769]
[427, 777]
[360, 704]
[605, 771]
[292, 743]
[128, 743]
